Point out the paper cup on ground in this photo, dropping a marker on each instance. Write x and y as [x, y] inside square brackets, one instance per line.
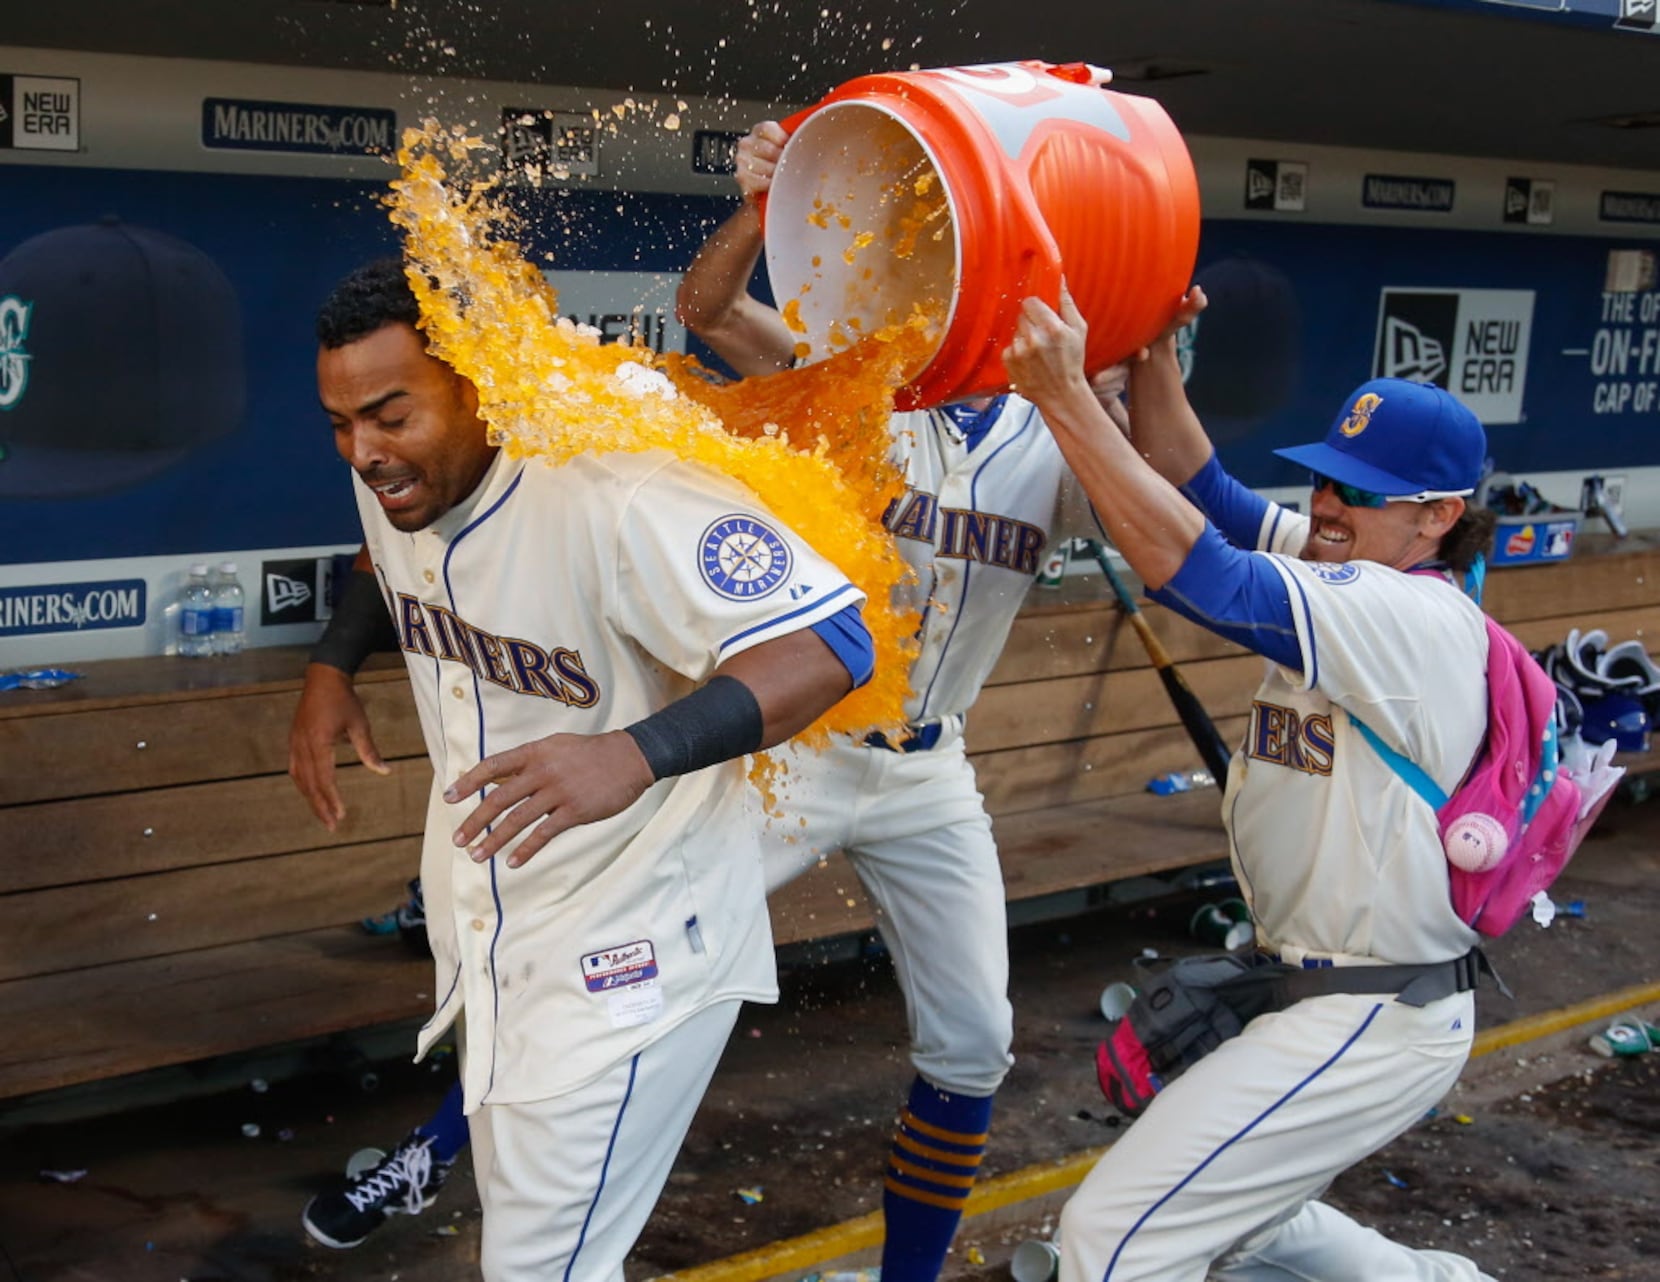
[1116, 999]
[1034, 1261]
[1212, 925]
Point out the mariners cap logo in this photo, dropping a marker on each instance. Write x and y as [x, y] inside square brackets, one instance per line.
[743, 559]
[1360, 414]
[14, 361]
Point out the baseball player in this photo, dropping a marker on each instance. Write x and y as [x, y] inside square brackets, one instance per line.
[1341, 862]
[592, 647]
[986, 494]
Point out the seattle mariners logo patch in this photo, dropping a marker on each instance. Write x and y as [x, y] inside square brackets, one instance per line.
[1361, 414]
[1334, 573]
[742, 558]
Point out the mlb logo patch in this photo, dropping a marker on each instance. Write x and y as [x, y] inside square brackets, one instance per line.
[618, 967]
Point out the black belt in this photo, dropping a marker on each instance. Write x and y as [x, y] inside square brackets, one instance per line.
[921, 738]
[1412, 985]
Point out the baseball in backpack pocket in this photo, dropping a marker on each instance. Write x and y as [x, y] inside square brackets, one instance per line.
[1514, 822]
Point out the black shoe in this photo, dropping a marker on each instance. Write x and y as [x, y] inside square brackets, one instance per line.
[405, 1182]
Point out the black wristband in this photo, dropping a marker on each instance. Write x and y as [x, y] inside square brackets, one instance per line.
[714, 723]
[361, 625]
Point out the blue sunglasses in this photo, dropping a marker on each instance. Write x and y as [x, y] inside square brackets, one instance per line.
[1347, 495]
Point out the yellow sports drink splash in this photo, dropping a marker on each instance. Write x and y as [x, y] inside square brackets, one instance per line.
[811, 443]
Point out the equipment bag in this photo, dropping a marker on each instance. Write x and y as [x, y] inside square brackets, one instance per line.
[1517, 818]
[1194, 1004]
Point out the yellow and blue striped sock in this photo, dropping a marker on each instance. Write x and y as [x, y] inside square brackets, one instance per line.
[931, 1168]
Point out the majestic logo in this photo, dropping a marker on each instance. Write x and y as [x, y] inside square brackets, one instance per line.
[743, 559]
[282, 593]
[1360, 414]
[1334, 573]
[14, 361]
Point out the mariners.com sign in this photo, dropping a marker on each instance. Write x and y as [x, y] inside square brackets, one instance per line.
[1473, 342]
[71, 607]
[236, 124]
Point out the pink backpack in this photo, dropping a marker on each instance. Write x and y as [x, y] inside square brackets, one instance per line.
[1518, 817]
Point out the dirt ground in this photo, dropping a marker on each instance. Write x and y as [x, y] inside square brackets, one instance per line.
[1555, 1173]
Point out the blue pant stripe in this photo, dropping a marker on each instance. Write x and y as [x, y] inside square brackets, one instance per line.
[1235, 1138]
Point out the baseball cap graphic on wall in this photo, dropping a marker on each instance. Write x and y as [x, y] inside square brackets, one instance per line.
[120, 353]
[1399, 438]
[1245, 348]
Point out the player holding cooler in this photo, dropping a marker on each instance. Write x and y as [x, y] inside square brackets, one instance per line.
[987, 492]
[1341, 861]
[593, 647]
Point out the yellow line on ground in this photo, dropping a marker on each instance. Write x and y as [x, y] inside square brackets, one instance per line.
[1534, 1027]
[812, 1249]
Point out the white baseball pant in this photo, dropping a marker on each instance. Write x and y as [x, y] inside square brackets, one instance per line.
[1218, 1178]
[568, 1183]
[914, 828]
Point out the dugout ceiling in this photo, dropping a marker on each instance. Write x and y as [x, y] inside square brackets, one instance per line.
[1453, 76]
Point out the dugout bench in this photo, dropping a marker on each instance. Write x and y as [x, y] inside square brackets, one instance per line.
[165, 895]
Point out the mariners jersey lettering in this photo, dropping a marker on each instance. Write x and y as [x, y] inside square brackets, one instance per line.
[1407, 655]
[974, 526]
[512, 663]
[967, 536]
[579, 599]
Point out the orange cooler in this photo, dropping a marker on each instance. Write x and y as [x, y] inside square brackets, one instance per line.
[966, 189]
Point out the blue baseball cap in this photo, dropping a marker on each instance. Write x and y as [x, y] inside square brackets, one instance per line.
[120, 353]
[1400, 439]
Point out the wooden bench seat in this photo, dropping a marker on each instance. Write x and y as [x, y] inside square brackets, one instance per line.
[165, 895]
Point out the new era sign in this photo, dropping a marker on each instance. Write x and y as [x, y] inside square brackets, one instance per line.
[295, 591]
[1279, 185]
[1473, 342]
[40, 113]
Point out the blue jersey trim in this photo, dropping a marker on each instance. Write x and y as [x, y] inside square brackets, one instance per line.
[1235, 510]
[850, 641]
[1237, 1136]
[784, 618]
[605, 1166]
[968, 566]
[1239, 595]
[483, 751]
[1308, 626]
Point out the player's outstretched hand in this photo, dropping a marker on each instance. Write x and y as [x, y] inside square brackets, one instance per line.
[758, 153]
[563, 780]
[329, 711]
[1045, 362]
[1187, 311]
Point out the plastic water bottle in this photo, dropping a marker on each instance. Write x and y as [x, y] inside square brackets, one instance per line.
[229, 633]
[1181, 781]
[196, 615]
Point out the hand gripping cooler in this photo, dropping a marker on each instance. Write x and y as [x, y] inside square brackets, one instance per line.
[1042, 171]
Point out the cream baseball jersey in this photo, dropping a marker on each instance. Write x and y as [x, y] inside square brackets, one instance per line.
[1406, 654]
[581, 598]
[975, 525]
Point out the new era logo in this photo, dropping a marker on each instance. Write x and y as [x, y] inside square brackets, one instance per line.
[283, 593]
[1410, 353]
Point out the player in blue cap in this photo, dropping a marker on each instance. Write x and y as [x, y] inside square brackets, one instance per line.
[1357, 608]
